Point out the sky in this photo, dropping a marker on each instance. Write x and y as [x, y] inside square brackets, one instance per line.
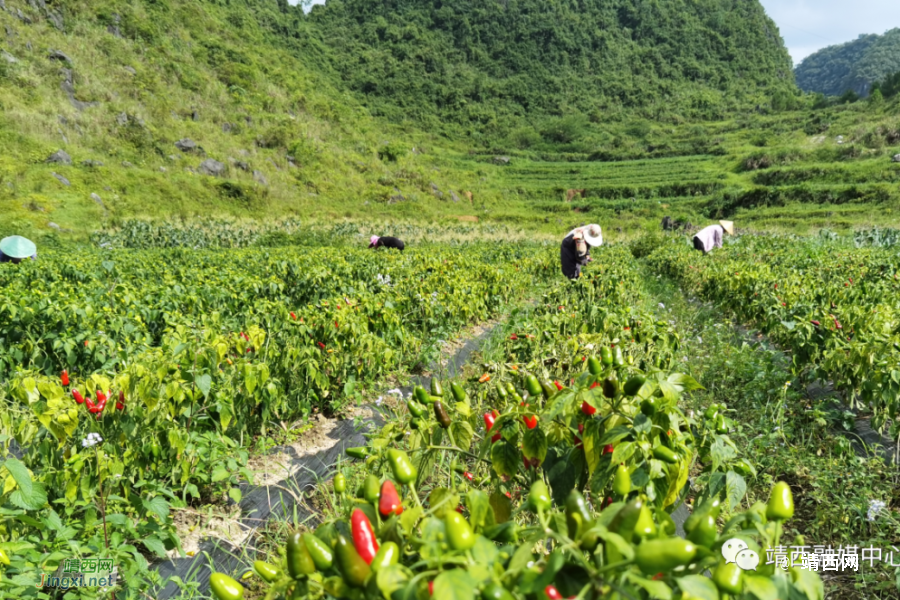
[808, 25]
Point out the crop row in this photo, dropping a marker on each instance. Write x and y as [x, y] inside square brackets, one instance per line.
[176, 361]
[551, 475]
[834, 307]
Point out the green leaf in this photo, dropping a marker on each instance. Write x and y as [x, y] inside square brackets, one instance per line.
[699, 587]
[521, 558]
[621, 544]
[642, 424]
[592, 447]
[502, 507]
[684, 382]
[485, 552]
[219, 473]
[735, 488]
[204, 382]
[810, 584]
[505, 458]
[623, 452]
[656, 589]
[157, 506]
[535, 444]
[462, 434]
[235, 494]
[153, 544]
[34, 500]
[20, 474]
[760, 586]
[409, 518]
[480, 512]
[614, 435]
[442, 500]
[392, 578]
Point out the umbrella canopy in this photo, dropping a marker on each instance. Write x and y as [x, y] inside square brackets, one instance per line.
[15, 246]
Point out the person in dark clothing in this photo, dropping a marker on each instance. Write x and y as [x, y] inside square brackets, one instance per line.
[386, 242]
[575, 249]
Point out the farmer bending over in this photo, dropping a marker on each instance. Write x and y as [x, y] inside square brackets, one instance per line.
[15, 249]
[711, 237]
[574, 251]
[386, 242]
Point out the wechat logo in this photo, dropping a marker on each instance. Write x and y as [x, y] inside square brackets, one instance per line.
[736, 551]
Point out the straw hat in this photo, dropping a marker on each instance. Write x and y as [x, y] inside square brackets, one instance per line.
[373, 239]
[15, 246]
[592, 234]
[727, 226]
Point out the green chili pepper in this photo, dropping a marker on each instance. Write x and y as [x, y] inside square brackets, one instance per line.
[371, 489]
[611, 386]
[533, 386]
[594, 366]
[712, 412]
[664, 454]
[644, 527]
[501, 391]
[661, 556]
[721, 426]
[626, 519]
[634, 385]
[321, 554]
[416, 409]
[350, 563]
[618, 357]
[781, 503]
[459, 533]
[268, 572]
[622, 481]
[704, 532]
[666, 523]
[578, 516]
[648, 407]
[225, 588]
[361, 452]
[327, 533]
[710, 506]
[388, 554]
[416, 424]
[459, 393]
[436, 389]
[440, 413]
[421, 394]
[401, 466]
[340, 483]
[606, 357]
[729, 578]
[539, 496]
[299, 561]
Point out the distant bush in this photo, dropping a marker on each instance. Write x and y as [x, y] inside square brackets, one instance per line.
[392, 152]
[564, 130]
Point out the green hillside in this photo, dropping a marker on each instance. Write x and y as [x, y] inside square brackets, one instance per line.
[485, 64]
[251, 110]
[853, 66]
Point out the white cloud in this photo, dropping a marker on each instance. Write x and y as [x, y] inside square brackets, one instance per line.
[809, 25]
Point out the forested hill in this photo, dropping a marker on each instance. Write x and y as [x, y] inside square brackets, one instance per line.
[481, 61]
[852, 66]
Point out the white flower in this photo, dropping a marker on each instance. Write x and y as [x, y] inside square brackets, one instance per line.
[875, 507]
[91, 440]
[395, 391]
[379, 400]
[699, 340]
[661, 305]
[590, 346]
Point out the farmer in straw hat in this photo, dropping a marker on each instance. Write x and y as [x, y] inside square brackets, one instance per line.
[15, 249]
[386, 242]
[574, 251]
[711, 237]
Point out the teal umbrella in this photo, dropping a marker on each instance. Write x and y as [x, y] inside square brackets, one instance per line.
[15, 246]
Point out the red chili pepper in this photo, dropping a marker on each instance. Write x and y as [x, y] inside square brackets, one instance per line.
[816, 323]
[469, 476]
[657, 577]
[552, 593]
[65, 378]
[78, 397]
[293, 316]
[389, 502]
[530, 421]
[431, 588]
[489, 420]
[120, 405]
[336, 326]
[508, 495]
[513, 337]
[459, 509]
[595, 384]
[526, 462]
[363, 536]
[558, 385]
[321, 345]
[90, 404]
[609, 449]
[588, 409]
[86, 343]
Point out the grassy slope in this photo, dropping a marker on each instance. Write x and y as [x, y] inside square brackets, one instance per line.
[281, 97]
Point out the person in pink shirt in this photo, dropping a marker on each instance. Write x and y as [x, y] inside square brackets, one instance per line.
[711, 237]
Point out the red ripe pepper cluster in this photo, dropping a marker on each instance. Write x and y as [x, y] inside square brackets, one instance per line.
[389, 502]
[100, 404]
[489, 420]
